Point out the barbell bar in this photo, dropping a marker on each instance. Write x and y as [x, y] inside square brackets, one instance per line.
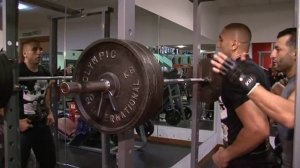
[104, 85]
[166, 81]
[29, 78]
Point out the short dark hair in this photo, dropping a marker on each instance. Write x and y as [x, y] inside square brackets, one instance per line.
[293, 35]
[240, 26]
[30, 41]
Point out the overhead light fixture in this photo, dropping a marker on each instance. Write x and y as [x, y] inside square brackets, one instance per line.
[180, 46]
[22, 6]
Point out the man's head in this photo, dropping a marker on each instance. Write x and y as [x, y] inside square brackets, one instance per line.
[32, 52]
[284, 53]
[234, 40]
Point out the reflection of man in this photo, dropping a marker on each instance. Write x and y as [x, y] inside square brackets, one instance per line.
[246, 128]
[34, 100]
[35, 112]
[279, 108]
[69, 70]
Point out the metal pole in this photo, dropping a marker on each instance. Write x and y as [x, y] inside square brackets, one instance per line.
[105, 22]
[126, 30]
[105, 145]
[53, 67]
[11, 120]
[296, 161]
[195, 101]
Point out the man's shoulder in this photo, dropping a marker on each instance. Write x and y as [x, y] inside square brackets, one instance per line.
[22, 65]
[43, 71]
[250, 67]
[23, 70]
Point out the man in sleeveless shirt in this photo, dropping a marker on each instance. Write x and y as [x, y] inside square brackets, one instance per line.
[279, 108]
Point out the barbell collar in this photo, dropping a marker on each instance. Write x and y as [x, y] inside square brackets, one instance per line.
[86, 87]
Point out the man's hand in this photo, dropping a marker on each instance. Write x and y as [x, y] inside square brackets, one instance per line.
[50, 119]
[219, 158]
[233, 72]
[25, 124]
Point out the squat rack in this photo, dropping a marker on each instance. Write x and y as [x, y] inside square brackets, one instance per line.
[125, 31]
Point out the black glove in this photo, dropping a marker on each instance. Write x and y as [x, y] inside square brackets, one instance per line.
[234, 73]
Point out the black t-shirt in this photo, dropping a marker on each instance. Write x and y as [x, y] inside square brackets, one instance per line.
[32, 92]
[233, 97]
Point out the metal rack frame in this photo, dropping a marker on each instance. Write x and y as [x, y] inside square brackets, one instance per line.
[125, 31]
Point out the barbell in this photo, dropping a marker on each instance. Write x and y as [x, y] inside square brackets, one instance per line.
[118, 84]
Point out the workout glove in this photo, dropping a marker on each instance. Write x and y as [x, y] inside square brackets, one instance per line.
[234, 73]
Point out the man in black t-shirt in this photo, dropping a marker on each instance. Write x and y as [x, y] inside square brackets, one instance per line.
[245, 128]
[279, 108]
[35, 112]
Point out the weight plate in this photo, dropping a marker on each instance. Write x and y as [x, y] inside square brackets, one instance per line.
[156, 82]
[109, 59]
[148, 128]
[187, 112]
[173, 117]
[209, 92]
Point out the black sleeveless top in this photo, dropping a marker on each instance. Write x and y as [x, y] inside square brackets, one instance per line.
[286, 135]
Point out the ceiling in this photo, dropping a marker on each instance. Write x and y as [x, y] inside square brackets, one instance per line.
[29, 19]
[244, 3]
[87, 4]
[92, 4]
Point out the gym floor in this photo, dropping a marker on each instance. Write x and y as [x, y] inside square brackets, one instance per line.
[153, 155]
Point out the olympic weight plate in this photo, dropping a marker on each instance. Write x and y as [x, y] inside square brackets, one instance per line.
[156, 81]
[124, 67]
[209, 92]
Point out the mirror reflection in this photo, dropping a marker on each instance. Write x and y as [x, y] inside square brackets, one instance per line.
[73, 26]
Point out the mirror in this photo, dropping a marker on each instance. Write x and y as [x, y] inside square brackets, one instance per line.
[74, 25]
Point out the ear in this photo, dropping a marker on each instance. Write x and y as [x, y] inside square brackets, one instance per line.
[234, 45]
[294, 54]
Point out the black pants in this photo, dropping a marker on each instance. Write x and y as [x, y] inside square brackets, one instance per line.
[40, 140]
[1, 145]
[262, 160]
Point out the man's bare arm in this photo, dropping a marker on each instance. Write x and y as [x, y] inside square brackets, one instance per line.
[276, 107]
[255, 130]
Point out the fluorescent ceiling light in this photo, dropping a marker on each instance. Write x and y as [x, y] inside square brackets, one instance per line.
[180, 46]
[23, 7]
